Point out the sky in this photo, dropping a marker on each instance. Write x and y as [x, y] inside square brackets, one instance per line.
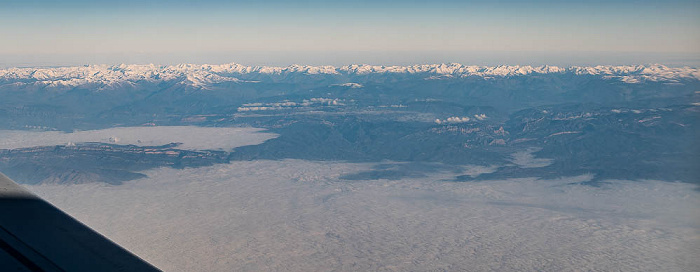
[313, 32]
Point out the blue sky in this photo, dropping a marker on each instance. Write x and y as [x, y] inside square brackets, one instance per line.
[339, 32]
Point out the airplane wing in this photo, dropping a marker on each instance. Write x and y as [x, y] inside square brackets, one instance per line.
[36, 236]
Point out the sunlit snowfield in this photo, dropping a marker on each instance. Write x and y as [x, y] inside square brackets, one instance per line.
[297, 215]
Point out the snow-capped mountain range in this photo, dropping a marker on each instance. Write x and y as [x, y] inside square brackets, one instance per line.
[202, 76]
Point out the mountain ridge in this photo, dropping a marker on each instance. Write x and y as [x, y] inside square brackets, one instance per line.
[203, 76]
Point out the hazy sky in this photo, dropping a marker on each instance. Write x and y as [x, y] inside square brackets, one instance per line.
[335, 32]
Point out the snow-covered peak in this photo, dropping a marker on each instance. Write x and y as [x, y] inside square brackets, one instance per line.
[203, 76]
